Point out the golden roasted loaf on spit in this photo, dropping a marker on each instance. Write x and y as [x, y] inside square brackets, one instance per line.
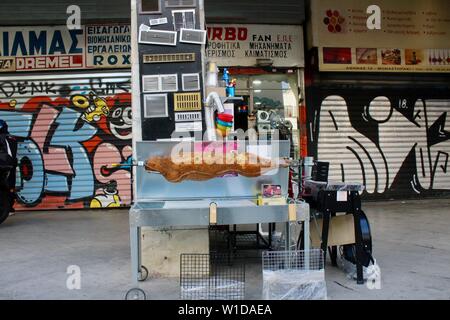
[204, 166]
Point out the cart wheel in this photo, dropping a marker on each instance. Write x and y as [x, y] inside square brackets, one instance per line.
[143, 274]
[135, 294]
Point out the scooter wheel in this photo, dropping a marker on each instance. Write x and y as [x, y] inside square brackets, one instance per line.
[143, 275]
[136, 294]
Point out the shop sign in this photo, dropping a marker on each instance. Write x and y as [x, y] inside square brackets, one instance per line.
[7, 64]
[42, 48]
[244, 45]
[413, 35]
[108, 46]
[414, 24]
[58, 48]
[384, 60]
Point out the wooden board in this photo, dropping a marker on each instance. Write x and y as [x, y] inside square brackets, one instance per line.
[342, 231]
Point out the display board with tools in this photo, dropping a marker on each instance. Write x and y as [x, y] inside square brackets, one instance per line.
[170, 42]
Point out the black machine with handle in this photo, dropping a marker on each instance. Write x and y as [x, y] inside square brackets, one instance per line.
[324, 198]
[349, 251]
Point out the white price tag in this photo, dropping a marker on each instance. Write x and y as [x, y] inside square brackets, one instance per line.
[155, 22]
[342, 196]
[188, 126]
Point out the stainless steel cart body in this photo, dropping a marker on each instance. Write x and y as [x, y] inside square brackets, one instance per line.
[162, 204]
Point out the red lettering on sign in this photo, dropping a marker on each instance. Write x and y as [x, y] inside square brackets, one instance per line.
[227, 34]
[49, 62]
[230, 34]
[217, 34]
[242, 34]
[284, 38]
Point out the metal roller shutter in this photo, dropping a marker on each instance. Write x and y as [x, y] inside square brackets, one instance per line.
[392, 136]
[32, 12]
[54, 12]
[70, 127]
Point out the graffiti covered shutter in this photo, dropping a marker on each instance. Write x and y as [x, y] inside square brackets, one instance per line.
[395, 139]
[70, 129]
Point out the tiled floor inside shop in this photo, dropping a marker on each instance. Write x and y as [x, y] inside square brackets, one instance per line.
[410, 238]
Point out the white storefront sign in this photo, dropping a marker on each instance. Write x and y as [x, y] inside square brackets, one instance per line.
[243, 45]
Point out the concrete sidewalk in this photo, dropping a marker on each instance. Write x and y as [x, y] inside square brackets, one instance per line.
[411, 245]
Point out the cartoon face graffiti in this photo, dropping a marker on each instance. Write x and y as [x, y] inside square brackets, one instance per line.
[95, 107]
[110, 198]
[120, 122]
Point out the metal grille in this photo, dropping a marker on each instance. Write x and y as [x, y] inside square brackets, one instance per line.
[191, 82]
[180, 3]
[294, 275]
[211, 277]
[183, 19]
[188, 116]
[168, 58]
[187, 101]
[293, 260]
[169, 82]
[178, 20]
[150, 83]
[167, 38]
[193, 36]
[155, 106]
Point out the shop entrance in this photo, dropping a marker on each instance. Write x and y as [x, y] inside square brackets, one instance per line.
[270, 98]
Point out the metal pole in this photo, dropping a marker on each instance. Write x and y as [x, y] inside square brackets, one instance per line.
[306, 242]
[135, 253]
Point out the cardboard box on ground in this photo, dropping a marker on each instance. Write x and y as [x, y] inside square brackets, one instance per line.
[341, 231]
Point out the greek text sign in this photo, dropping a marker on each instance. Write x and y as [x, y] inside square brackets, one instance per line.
[108, 46]
[242, 45]
[415, 24]
[58, 48]
[42, 48]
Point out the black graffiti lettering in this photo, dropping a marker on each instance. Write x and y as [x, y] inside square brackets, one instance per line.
[37, 87]
[124, 86]
[42, 87]
[21, 87]
[97, 86]
[106, 88]
[400, 144]
[49, 87]
[7, 89]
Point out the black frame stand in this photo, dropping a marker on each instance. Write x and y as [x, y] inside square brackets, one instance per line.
[261, 242]
[327, 203]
